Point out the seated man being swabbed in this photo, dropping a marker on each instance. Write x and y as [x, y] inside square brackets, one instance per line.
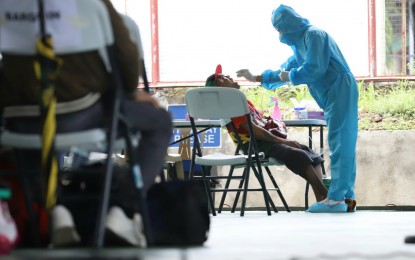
[298, 158]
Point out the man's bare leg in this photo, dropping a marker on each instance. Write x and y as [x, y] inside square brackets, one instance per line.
[314, 177]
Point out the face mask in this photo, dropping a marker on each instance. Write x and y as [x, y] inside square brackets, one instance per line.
[285, 40]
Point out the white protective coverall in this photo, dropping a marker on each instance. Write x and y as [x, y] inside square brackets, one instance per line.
[319, 63]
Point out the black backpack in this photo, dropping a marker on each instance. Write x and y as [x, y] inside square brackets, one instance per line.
[179, 213]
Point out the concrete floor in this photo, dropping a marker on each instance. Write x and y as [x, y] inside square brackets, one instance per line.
[296, 235]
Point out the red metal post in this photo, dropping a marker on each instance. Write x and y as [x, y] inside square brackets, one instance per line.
[372, 37]
[155, 61]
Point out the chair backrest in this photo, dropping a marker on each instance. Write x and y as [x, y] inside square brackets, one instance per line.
[75, 25]
[216, 103]
[134, 33]
[223, 104]
[135, 36]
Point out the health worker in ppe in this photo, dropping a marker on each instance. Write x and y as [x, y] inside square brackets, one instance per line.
[319, 63]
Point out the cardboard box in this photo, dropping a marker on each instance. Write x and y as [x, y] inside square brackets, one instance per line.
[315, 115]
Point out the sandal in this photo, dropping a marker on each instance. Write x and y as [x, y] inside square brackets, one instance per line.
[351, 205]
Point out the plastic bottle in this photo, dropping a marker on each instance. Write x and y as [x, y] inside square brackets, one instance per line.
[276, 113]
[304, 114]
[300, 113]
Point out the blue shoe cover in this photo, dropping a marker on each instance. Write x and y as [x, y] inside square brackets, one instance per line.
[327, 208]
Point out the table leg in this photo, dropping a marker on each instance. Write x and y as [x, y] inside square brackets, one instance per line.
[310, 137]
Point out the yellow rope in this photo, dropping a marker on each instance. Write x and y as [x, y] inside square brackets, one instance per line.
[45, 76]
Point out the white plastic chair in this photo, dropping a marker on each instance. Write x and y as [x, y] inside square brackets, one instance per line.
[224, 104]
[81, 26]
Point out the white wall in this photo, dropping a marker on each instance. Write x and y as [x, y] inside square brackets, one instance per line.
[384, 174]
[196, 35]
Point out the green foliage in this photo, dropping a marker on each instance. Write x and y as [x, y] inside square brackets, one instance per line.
[261, 97]
[394, 106]
[301, 92]
[380, 107]
[366, 93]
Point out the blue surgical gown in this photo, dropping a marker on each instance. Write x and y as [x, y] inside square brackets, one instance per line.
[318, 62]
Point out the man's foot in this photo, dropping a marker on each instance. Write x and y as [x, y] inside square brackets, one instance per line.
[328, 206]
[351, 204]
[63, 228]
[122, 230]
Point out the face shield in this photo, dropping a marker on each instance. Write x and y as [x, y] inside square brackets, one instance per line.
[289, 24]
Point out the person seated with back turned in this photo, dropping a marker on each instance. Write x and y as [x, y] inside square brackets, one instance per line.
[85, 73]
[297, 157]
